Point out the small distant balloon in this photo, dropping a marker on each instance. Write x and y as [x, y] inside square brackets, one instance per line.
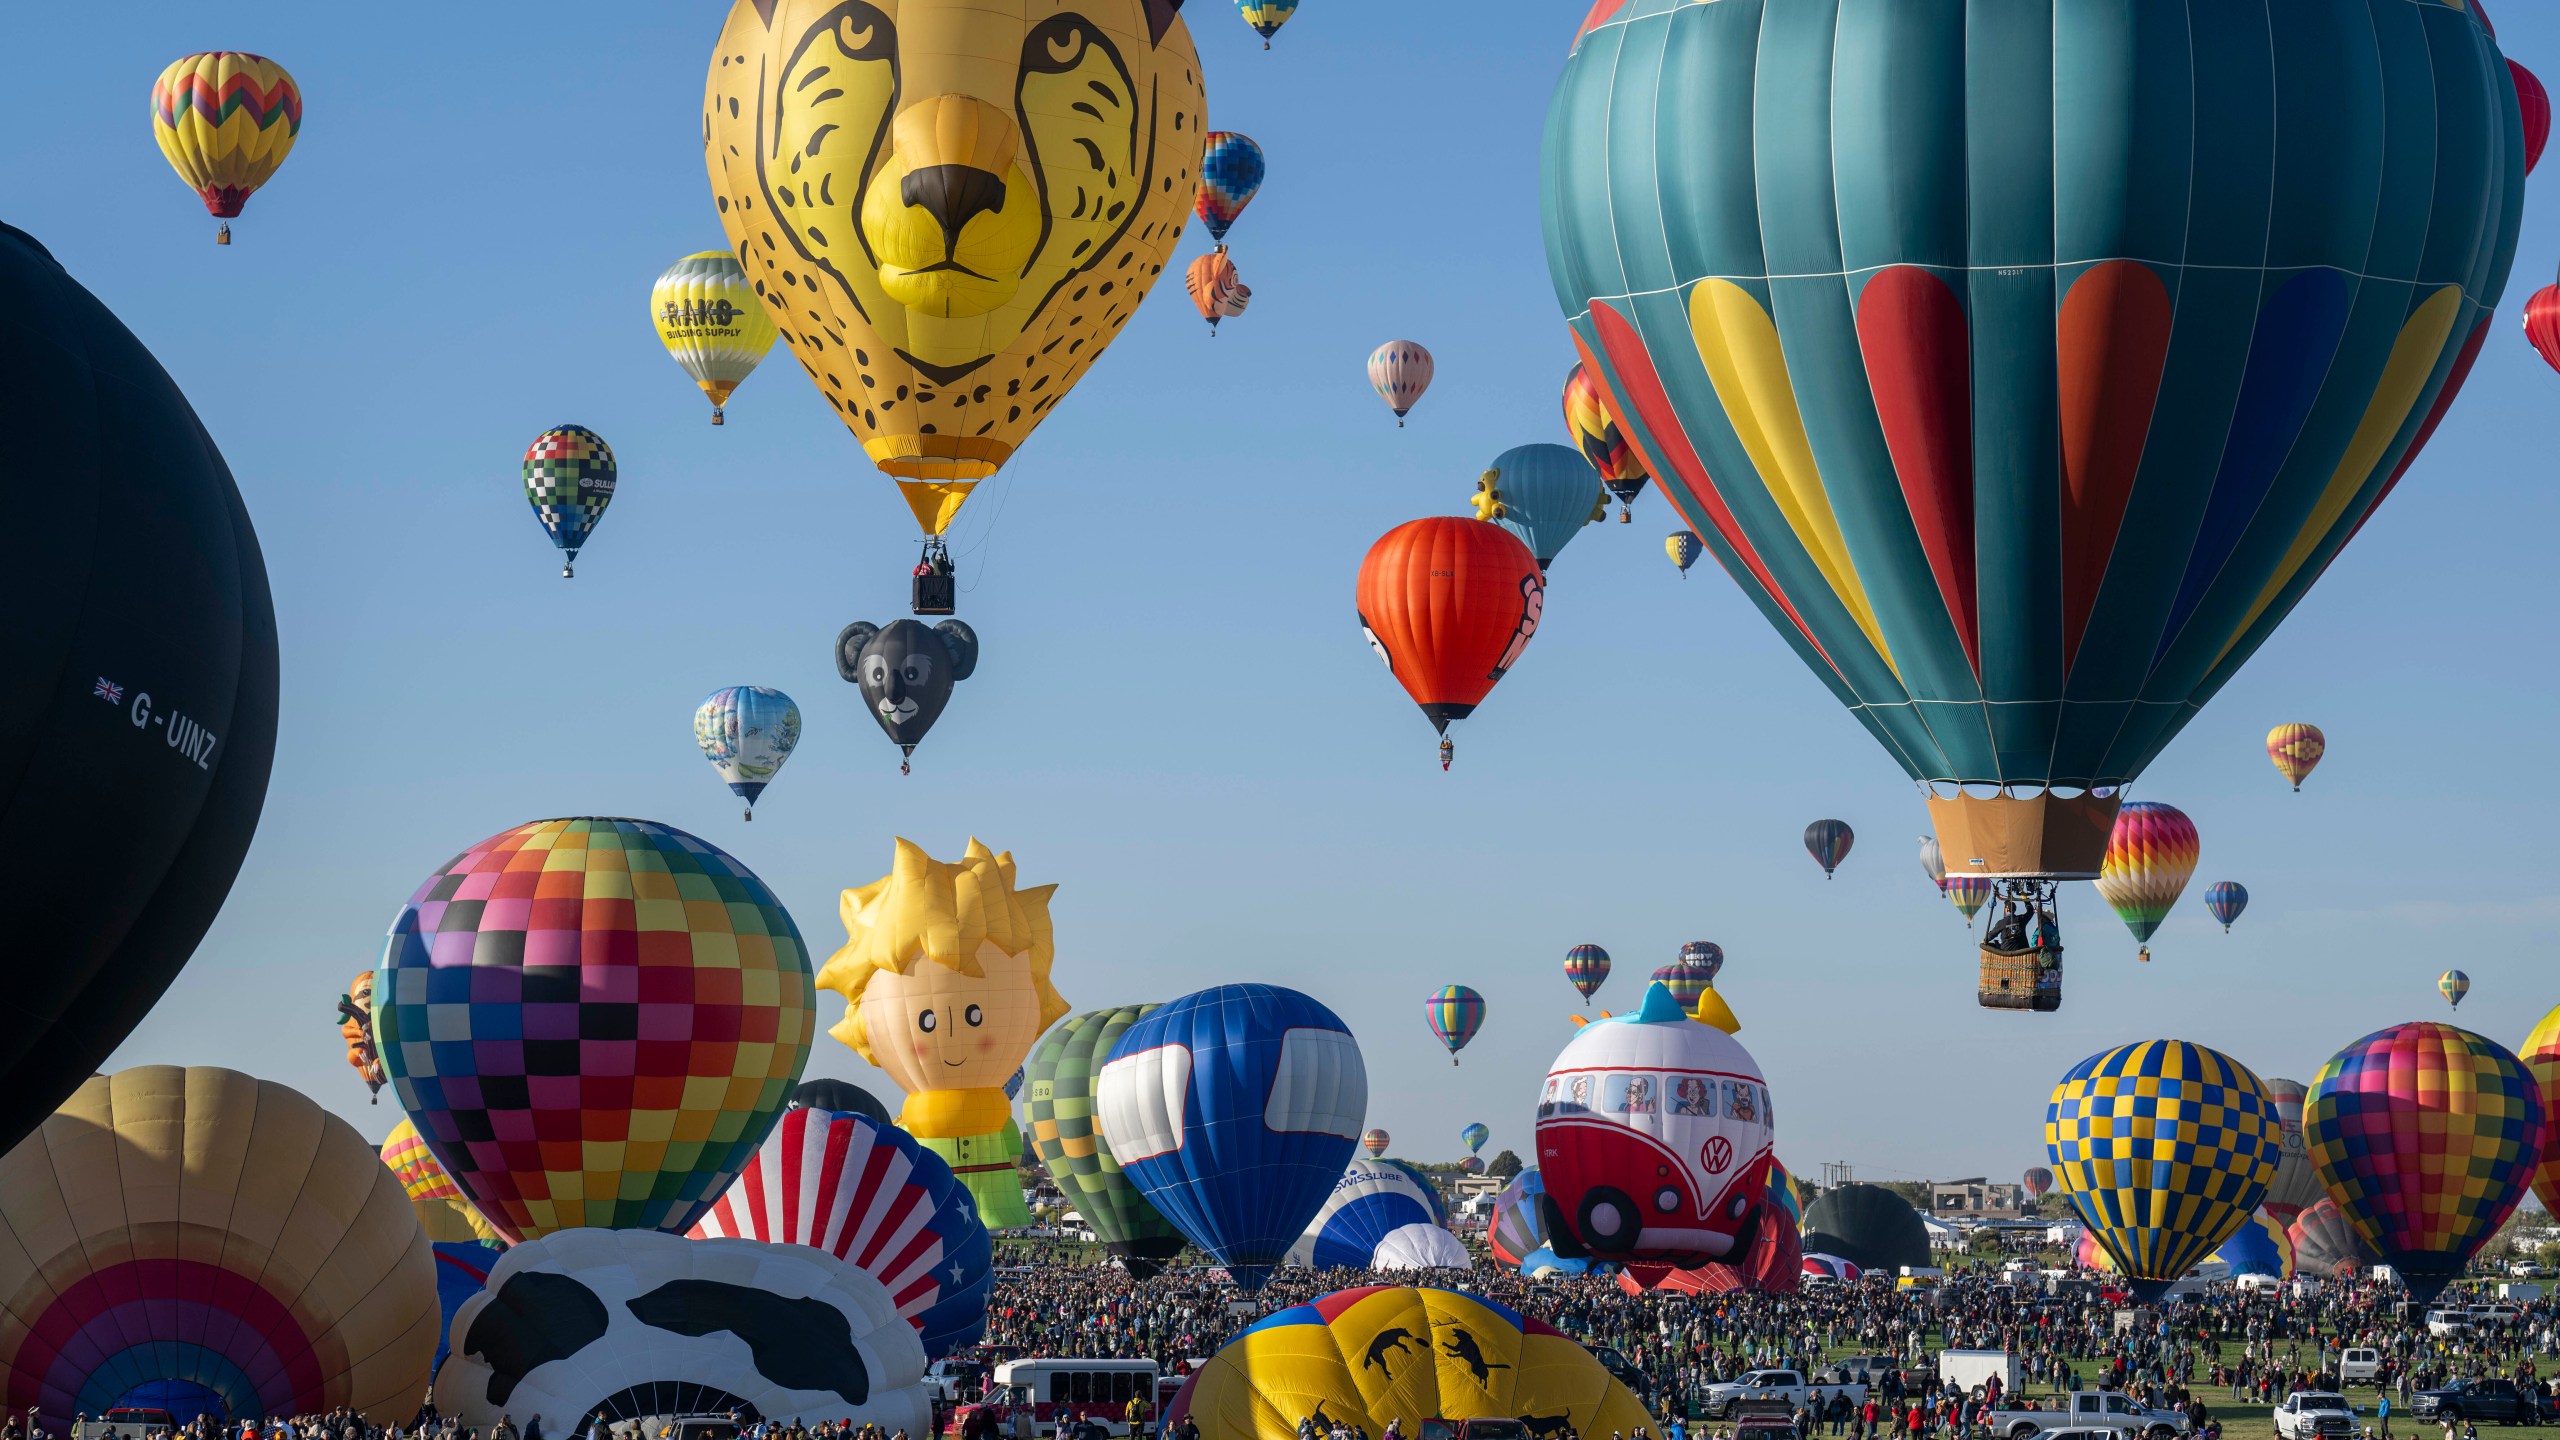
[1828, 841]
[1707, 955]
[1595, 432]
[1375, 1141]
[569, 477]
[1400, 371]
[2453, 985]
[2296, 750]
[1933, 862]
[712, 324]
[1266, 16]
[1474, 1135]
[1231, 170]
[226, 120]
[2226, 900]
[746, 732]
[1216, 291]
[1683, 548]
[2150, 857]
[2037, 1180]
[1455, 1013]
[1969, 894]
[1586, 966]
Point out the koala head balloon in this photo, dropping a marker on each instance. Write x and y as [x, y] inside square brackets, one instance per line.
[906, 671]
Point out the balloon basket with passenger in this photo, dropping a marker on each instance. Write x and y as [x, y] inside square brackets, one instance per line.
[2023, 846]
[936, 590]
[2022, 949]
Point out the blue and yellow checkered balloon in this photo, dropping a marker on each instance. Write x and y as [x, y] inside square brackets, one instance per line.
[2166, 1148]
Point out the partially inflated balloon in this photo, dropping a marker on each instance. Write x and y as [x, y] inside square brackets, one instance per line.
[1400, 371]
[1544, 494]
[1828, 842]
[2453, 985]
[569, 475]
[1231, 170]
[1586, 966]
[949, 208]
[1473, 1136]
[593, 1022]
[2165, 1148]
[1266, 16]
[2541, 1056]
[1382, 1215]
[1596, 434]
[225, 120]
[2427, 1137]
[2297, 1184]
[1684, 550]
[217, 1235]
[1516, 1229]
[2150, 857]
[2225, 899]
[712, 324]
[2296, 750]
[2027, 374]
[746, 732]
[1063, 1069]
[1455, 1013]
[1449, 604]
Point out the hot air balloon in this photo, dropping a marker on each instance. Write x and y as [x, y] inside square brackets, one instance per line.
[1060, 1106]
[712, 324]
[1455, 1013]
[2324, 1244]
[511, 983]
[1516, 1230]
[976, 199]
[569, 477]
[355, 1027]
[1595, 433]
[1215, 291]
[1969, 894]
[2427, 1137]
[1933, 862]
[905, 671]
[219, 1238]
[1377, 1355]
[2297, 1185]
[1473, 1136]
[746, 732]
[2533, 107]
[1449, 603]
[1868, 1225]
[2036, 1181]
[444, 1212]
[2541, 1056]
[2453, 985]
[1918, 390]
[2542, 324]
[1375, 1141]
[2149, 860]
[1586, 966]
[1654, 1139]
[1828, 842]
[1266, 16]
[1400, 371]
[1544, 494]
[1230, 172]
[2225, 899]
[1686, 979]
[1706, 954]
[141, 691]
[226, 120]
[1683, 548]
[1382, 1215]
[2165, 1148]
[1235, 1110]
[871, 1194]
[2296, 750]
[841, 1096]
[2260, 1246]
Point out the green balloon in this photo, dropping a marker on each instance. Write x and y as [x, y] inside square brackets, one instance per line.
[1061, 1075]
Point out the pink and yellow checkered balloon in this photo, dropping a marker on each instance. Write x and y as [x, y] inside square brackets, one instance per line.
[593, 1022]
[2426, 1135]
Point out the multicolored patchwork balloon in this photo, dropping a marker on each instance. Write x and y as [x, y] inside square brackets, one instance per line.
[1455, 1013]
[2296, 750]
[1400, 371]
[2427, 1137]
[2225, 900]
[1231, 170]
[1706, 954]
[2150, 858]
[225, 120]
[746, 732]
[569, 476]
[712, 324]
[1828, 842]
[1062, 1070]
[1596, 434]
[2165, 1148]
[2453, 985]
[2541, 1056]
[1586, 966]
[593, 1022]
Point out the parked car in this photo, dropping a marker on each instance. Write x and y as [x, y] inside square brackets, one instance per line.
[1788, 1386]
[2111, 1410]
[2501, 1401]
[2314, 1415]
[2448, 1323]
[2358, 1364]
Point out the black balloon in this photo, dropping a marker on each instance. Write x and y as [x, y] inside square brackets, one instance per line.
[840, 1097]
[138, 662]
[906, 671]
[1868, 1226]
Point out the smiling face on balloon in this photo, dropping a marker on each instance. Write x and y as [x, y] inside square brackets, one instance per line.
[938, 1029]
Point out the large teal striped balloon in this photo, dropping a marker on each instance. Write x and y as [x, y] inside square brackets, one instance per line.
[2026, 360]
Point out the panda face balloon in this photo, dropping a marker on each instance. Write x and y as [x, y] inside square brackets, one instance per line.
[906, 672]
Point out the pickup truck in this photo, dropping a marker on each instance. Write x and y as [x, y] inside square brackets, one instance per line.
[2314, 1415]
[2090, 1409]
[2495, 1400]
[1760, 1387]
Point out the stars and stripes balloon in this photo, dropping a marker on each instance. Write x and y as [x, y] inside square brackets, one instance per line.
[1455, 1013]
[2224, 900]
[746, 732]
[226, 120]
[2165, 1148]
[1586, 966]
[2427, 1137]
[2296, 749]
[569, 477]
[2149, 859]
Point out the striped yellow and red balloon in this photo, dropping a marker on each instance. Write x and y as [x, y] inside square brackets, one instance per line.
[226, 120]
[1597, 436]
[2150, 858]
[2541, 1056]
[2296, 750]
[2427, 1136]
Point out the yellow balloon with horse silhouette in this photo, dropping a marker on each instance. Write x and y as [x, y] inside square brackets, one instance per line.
[951, 207]
[1401, 1353]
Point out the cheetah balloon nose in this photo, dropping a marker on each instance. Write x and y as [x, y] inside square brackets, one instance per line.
[955, 149]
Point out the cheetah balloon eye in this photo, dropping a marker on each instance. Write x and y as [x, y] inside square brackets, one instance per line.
[926, 1021]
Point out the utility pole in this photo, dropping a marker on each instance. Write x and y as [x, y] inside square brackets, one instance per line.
[1835, 1173]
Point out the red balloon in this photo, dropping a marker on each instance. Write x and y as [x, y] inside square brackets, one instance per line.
[2535, 102]
[2542, 323]
[1449, 602]
[1774, 1266]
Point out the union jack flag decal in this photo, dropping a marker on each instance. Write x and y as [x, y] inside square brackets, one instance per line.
[109, 691]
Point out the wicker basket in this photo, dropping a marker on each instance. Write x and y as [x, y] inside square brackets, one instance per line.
[2029, 980]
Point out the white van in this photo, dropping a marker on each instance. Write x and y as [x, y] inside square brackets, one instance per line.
[1971, 1370]
[2358, 1365]
[2448, 1323]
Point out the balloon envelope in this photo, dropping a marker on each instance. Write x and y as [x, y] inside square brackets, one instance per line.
[1455, 1013]
[1683, 548]
[569, 477]
[2150, 858]
[1595, 433]
[1473, 1136]
[1375, 1141]
[1266, 16]
[2324, 1244]
[2297, 1184]
[1546, 494]
[1828, 842]
[1373, 1202]
[1065, 1130]
[2453, 985]
[1235, 1109]
[2260, 1247]
[2541, 1056]
[1400, 371]
[1231, 171]
[617, 983]
[2296, 749]
[1868, 1225]
[1586, 966]
[1968, 893]
[2225, 899]
[1517, 1230]
[747, 732]
[1449, 604]
[226, 120]
[711, 322]
[2037, 1181]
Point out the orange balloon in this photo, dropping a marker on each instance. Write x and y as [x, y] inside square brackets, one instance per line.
[1449, 603]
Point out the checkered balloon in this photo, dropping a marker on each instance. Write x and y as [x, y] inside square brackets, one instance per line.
[569, 476]
[2427, 1136]
[2166, 1149]
[593, 1022]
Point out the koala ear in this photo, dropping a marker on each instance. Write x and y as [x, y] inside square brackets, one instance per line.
[849, 643]
[962, 642]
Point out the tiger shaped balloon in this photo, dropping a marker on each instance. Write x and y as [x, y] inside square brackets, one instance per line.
[951, 207]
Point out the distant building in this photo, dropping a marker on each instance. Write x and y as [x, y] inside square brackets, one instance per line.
[1976, 1197]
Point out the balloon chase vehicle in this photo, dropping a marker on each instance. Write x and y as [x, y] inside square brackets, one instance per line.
[1654, 1141]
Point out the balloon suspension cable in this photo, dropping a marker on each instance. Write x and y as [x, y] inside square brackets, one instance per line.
[223, 236]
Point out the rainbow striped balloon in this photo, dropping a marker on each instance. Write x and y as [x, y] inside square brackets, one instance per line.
[1586, 966]
[225, 120]
[2296, 749]
[1455, 1014]
[2150, 858]
[1969, 893]
[2225, 899]
[2165, 1148]
[2427, 1137]
[2541, 1055]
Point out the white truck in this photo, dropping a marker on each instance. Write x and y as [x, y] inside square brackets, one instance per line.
[1772, 1388]
[2314, 1415]
[1971, 1371]
[2091, 1409]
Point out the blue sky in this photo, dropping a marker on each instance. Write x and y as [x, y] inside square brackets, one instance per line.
[1175, 717]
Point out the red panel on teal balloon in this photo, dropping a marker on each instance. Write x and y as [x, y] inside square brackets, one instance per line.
[1912, 332]
[2111, 343]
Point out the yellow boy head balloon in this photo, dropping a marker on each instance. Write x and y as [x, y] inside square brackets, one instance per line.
[951, 206]
[945, 971]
